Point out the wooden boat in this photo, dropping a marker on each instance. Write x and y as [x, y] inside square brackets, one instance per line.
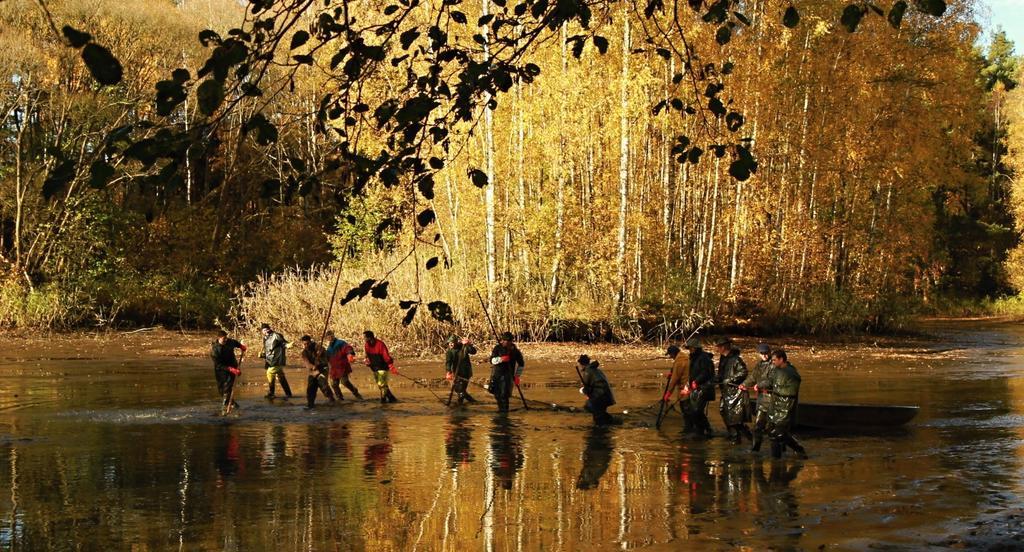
[851, 416]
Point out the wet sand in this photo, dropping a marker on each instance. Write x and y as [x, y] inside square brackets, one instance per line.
[114, 442]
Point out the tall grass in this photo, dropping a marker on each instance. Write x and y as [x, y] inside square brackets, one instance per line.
[296, 302]
[46, 306]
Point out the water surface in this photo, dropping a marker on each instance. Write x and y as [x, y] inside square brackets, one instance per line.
[115, 444]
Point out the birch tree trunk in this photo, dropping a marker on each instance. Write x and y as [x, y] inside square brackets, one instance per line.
[489, 169]
[623, 164]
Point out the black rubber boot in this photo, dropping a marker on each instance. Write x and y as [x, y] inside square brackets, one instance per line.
[756, 446]
[311, 388]
[284, 385]
[390, 396]
[777, 447]
[337, 390]
[796, 446]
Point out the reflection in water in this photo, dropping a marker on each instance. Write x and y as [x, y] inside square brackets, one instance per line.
[458, 441]
[227, 457]
[597, 456]
[378, 448]
[506, 450]
[85, 472]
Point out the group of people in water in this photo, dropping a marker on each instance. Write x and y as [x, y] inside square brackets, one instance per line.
[694, 377]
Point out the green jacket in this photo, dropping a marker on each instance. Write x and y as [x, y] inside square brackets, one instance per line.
[761, 376]
[785, 388]
[457, 361]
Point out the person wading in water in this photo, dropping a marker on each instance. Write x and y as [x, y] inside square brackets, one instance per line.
[458, 366]
[274, 345]
[314, 359]
[597, 390]
[380, 362]
[758, 380]
[507, 367]
[735, 402]
[226, 366]
[340, 356]
[696, 393]
[784, 387]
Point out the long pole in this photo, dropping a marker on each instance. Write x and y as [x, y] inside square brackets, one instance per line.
[498, 339]
[330, 306]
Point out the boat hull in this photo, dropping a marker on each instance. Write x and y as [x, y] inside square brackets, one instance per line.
[852, 416]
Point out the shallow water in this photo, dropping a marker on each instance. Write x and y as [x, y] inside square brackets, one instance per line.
[115, 445]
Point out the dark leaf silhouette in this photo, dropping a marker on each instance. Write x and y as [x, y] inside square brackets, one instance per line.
[440, 311]
[379, 291]
[58, 179]
[210, 95]
[299, 38]
[100, 173]
[852, 14]
[102, 64]
[896, 13]
[791, 17]
[425, 217]
[409, 315]
[478, 177]
[76, 38]
[931, 7]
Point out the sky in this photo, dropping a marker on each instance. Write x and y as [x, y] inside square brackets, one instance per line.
[1008, 15]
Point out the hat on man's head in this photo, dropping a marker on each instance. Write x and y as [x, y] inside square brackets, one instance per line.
[584, 360]
[763, 348]
[693, 343]
[507, 336]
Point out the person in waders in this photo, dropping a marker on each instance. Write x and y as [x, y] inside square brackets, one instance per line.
[507, 366]
[680, 367]
[597, 390]
[698, 389]
[225, 366]
[759, 380]
[314, 359]
[458, 366]
[380, 362]
[734, 405]
[340, 356]
[784, 387]
[274, 345]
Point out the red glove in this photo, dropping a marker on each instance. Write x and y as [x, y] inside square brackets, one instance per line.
[244, 348]
[506, 358]
[392, 368]
[449, 376]
[668, 375]
[693, 385]
[742, 387]
[756, 389]
[667, 397]
[516, 379]
[234, 371]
